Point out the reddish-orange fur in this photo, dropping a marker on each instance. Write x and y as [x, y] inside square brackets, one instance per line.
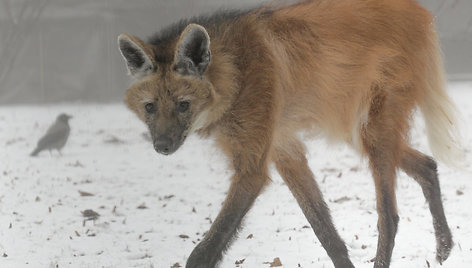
[349, 70]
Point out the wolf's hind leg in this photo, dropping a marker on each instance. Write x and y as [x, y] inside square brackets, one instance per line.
[424, 170]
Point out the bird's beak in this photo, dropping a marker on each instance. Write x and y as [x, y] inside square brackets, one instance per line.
[70, 116]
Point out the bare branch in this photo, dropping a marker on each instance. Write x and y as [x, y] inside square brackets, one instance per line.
[18, 31]
[7, 8]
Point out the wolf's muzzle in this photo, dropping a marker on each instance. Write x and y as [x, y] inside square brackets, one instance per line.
[164, 145]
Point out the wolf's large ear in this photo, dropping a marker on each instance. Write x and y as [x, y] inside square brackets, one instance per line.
[138, 55]
[193, 51]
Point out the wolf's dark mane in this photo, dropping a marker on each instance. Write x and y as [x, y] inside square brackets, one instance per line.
[211, 20]
[174, 30]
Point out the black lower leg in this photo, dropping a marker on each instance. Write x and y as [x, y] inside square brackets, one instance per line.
[239, 199]
[387, 226]
[301, 183]
[383, 165]
[424, 170]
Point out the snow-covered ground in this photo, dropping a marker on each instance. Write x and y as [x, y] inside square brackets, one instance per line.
[154, 209]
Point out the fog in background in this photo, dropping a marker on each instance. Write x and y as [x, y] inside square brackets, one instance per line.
[65, 50]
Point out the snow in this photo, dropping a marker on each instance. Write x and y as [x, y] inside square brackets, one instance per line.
[155, 208]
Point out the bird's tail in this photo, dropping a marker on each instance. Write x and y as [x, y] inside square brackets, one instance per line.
[35, 152]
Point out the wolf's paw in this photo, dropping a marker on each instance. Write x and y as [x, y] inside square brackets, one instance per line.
[202, 257]
[444, 246]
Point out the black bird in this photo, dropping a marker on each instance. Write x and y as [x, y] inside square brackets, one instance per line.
[56, 136]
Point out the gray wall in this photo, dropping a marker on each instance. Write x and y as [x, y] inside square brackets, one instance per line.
[65, 50]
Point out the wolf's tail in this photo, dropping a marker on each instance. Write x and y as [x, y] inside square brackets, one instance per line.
[439, 111]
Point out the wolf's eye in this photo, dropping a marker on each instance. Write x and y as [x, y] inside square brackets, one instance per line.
[183, 106]
[150, 108]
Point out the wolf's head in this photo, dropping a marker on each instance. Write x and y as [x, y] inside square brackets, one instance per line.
[170, 96]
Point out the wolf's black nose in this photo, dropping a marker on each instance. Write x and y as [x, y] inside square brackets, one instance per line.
[162, 145]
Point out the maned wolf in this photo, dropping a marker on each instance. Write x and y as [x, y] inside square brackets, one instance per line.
[351, 71]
